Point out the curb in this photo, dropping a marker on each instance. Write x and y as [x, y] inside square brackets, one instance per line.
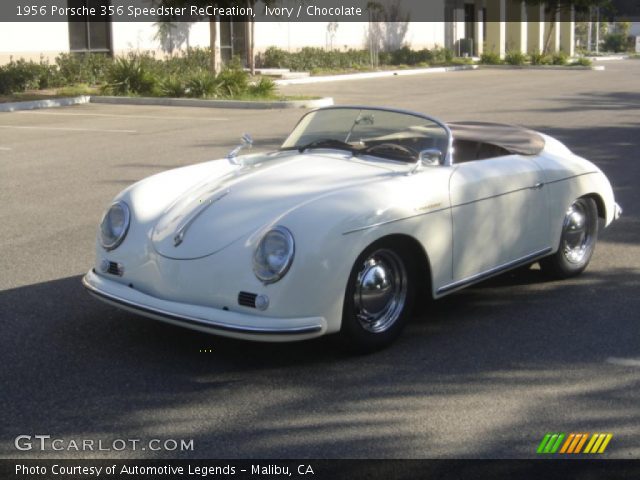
[422, 71]
[194, 102]
[566, 68]
[367, 75]
[607, 58]
[50, 103]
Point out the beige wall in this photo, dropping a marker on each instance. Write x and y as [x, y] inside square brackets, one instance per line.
[294, 36]
[33, 40]
[36, 40]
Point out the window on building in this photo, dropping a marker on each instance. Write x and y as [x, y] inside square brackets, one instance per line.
[469, 20]
[86, 36]
[233, 39]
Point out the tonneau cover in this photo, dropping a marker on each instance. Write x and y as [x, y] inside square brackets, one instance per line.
[516, 140]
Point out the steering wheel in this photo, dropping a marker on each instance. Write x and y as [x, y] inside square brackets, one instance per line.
[392, 146]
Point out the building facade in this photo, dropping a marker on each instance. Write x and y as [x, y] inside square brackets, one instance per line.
[470, 28]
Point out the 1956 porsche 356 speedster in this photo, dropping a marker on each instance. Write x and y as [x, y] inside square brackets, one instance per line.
[359, 213]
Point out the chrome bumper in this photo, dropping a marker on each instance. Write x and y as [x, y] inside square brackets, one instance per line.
[205, 319]
[617, 211]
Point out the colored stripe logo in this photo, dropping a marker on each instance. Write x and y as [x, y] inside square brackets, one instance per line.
[574, 443]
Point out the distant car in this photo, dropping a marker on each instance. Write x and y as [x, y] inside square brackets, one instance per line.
[359, 213]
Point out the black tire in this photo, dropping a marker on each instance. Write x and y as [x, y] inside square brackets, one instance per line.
[577, 241]
[390, 300]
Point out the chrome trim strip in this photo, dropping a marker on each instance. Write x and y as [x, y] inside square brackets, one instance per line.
[182, 229]
[493, 271]
[537, 186]
[570, 177]
[359, 229]
[200, 322]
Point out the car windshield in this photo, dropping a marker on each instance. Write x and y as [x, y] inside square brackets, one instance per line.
[390, 134]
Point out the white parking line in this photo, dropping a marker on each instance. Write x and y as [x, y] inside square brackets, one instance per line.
[62, 129]
[625, 362]
[110, 115]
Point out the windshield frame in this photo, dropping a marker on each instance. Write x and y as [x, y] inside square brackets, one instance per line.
[448, 157]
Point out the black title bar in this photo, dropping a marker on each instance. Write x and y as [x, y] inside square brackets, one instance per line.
[275, 11]
[319, 469]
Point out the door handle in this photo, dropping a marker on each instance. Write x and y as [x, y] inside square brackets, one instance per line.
[538, 186]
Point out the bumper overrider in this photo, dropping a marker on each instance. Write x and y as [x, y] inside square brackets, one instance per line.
[617, 211]
[201, 318]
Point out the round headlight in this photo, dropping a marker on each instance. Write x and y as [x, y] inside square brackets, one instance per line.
[274, 255]
[114, 225]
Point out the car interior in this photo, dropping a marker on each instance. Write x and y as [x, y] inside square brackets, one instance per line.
[469, 150]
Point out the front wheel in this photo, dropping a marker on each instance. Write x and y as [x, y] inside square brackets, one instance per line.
[378, 299]
[577, 243]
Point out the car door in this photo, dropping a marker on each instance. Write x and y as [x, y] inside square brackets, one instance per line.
[499, 214]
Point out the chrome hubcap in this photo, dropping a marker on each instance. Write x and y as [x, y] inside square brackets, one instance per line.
[381, 291]
[576, 233]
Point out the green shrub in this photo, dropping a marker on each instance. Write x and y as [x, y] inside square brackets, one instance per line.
[462, 61]
[318, 59]
[173, 87]
[89, 68]
[559, 58]
[310, 57]
[201, 84]
[490, 58]
[76, 90]
[515, 58]
[7, 82]
[384, 58]
[616, 42]
[192, 59]
[265, 88]
[406, 56]
[20, 75]
[536, 58]
[232, 82]
[274, 57]
[583, 62]
[131, 75]
[439, 56]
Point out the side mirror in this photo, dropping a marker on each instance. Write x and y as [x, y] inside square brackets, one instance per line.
[245, 141]
[430, 156]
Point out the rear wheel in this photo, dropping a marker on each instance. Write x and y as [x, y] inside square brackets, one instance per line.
[578, 240]
[378, 299]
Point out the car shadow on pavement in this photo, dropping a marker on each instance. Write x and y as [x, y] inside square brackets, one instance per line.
[514, 346]
[595, 101]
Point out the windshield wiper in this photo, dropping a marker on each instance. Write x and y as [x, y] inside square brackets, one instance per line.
[328, 143]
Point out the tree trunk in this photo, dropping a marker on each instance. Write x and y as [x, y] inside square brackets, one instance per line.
[252, 47]
[551, 30]
[213, 43]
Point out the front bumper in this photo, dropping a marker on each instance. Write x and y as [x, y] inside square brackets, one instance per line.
[206, 319]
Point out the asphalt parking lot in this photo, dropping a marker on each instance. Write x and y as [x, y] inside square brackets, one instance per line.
[483, 373]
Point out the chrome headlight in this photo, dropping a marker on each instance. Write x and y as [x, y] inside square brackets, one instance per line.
[274, 255]
[114, 225]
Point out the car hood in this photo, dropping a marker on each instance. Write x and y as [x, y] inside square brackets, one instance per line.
[216, 213]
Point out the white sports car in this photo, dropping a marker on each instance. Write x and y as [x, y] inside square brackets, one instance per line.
[360, 213]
